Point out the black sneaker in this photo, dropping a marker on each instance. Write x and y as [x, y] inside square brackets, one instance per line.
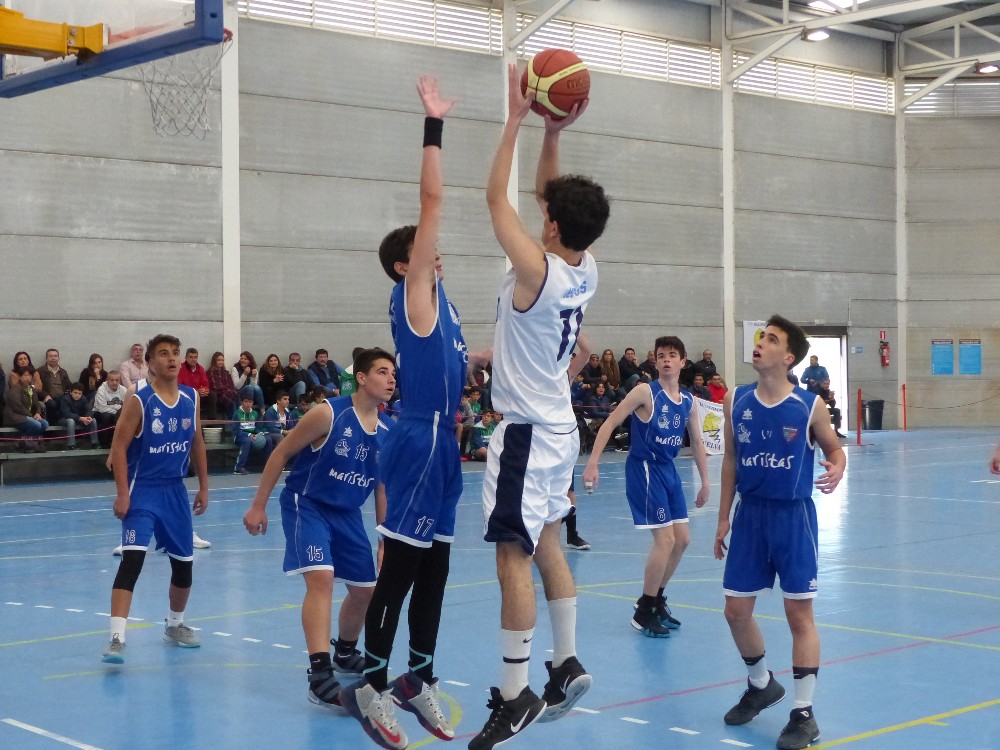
[754, 700]
[352, 663]
[508, 718]
[324, 690]
[800, 731]
[665, 615]
[647, 621]
[567, 684]
[575, 541]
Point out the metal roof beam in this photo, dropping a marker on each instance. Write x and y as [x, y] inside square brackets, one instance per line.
[946, 23]
[799, 18]
[543, 18]
[765, 53]
[969, 60]
[935, 84]
[870, 14]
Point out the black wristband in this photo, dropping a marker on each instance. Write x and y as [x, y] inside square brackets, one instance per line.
[433, 126]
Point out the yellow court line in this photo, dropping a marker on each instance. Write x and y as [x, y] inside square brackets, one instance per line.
[907, 725]
[923, 588]
[919, 572]
[776, 618]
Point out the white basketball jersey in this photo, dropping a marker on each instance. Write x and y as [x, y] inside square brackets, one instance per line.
[531, 349]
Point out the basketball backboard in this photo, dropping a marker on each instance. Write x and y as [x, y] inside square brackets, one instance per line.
[134, 32]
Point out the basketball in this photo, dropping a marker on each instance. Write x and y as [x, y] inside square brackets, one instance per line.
[259, 441]
[559, 79]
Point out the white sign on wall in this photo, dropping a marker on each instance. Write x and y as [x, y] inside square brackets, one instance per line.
[752, 331]
[713, 421]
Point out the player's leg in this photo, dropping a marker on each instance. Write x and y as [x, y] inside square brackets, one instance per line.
[121, 602]
[175, 535]
[324, 690]
[573, 538]
[682, 539]
[647, 619]
[350, 620]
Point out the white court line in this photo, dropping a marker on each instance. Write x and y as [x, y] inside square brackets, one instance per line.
[224, 635]
[585, 710]
[103, 614]
[44, 606]
[49, 735]
[252, 640]
[683, 731]
[73, 610]
[737, 743]
[280, 645]
[457, 683]
[634, 721]
[16, 604]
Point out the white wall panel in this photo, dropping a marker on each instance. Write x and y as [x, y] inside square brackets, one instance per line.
[952, 142]
[952, 195]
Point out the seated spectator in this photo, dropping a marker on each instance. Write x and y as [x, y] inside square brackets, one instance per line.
[324, 373]
[614, 377]
[317, 395]
[348, 383]
[478, 376]
[579, 390]
[296, 378]
[717, 387]
[648, 367]
[481, 434]
[275, 423]
[686, 378]
[272, 379]
[77, 414]
[220, 383]
[814, 375]
[23, 359]
[249, 435]
[593, 373]
[134, 368]
[699, 389]
[3, 388]
[631, 375]
[299, 411]
[465, 418]
[23, 411]
[193, 375]
[55, 384]
[597, 407]
[475, 401]
[245, 379]
[93, 376]
[108, 402]
[824, 392]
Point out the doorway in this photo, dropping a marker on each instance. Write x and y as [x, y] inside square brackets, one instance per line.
[831, 353]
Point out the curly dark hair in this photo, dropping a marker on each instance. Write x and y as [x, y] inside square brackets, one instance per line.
[395, 248]
[797, 343]
[579, 207]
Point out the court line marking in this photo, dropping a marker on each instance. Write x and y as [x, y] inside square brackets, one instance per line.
[908, 724]
[737, 743]
[633, 720]
[49, 735]
[683, 731]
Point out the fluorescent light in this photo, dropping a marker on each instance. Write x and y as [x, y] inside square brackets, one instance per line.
[816, 35]
[990, 67]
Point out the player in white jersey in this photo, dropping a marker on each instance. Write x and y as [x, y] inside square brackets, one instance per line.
[530, 459]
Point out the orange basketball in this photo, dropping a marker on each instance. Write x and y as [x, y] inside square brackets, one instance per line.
[559, 79]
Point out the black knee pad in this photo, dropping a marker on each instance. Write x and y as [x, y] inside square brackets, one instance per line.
[129, 569]
[180, 573]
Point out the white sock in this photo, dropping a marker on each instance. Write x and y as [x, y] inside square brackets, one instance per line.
[515, 645]
[758, 673]
[175, 618]
[118, 627]
[562, 615]
[804, 688]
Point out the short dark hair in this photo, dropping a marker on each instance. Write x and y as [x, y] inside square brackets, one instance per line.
[579, 207]
[77, 387]
[366, 358]
[670, 342]
[629, 349]
[190, 350]
[395, 248]
[356, 351]
[278, 395]
[160, 338]
[321, 351]
[797, 343]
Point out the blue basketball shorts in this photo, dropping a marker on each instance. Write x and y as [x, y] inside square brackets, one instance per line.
[773, 537]
[654, 493]
[422, 471]
[159, 507]
[528, 471]
[321, 537]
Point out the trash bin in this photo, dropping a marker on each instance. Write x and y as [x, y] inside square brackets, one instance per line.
[871, 414]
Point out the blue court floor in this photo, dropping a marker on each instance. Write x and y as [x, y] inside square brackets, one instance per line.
[908, 613]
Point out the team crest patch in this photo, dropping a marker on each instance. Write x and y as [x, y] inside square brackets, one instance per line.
[743, 434]
[663, 421]
[790, 433]
[185, 423]
[157, 427]
[454, 314]
[342, 448]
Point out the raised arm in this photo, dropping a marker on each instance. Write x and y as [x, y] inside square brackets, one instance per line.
[422, 267]
[548, 160]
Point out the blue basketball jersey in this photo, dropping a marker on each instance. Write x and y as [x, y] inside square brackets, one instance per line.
[775, 454]
[162, 450]
[344, 470]
[660, 438]
[431, 369]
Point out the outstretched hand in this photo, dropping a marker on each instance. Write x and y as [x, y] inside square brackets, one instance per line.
[518, 104]
[430, 95]
[827, 481]
[552, 125]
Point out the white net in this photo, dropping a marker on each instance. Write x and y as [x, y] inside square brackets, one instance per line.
[178, 88]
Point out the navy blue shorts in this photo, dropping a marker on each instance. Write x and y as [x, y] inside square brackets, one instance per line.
[773, 537]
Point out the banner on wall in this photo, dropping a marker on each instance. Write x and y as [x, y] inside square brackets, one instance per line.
[712, 423]
[752, 331]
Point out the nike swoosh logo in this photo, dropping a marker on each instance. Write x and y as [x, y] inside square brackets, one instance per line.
[526, 640]
[515, 728]
[392, 737]
[566, 684]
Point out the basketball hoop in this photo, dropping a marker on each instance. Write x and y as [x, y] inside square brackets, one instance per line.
[178, 88]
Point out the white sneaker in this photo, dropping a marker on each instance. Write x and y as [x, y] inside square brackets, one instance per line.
[117, 551]
[200, 543]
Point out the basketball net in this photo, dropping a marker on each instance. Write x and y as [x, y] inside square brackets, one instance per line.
[178, 88]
